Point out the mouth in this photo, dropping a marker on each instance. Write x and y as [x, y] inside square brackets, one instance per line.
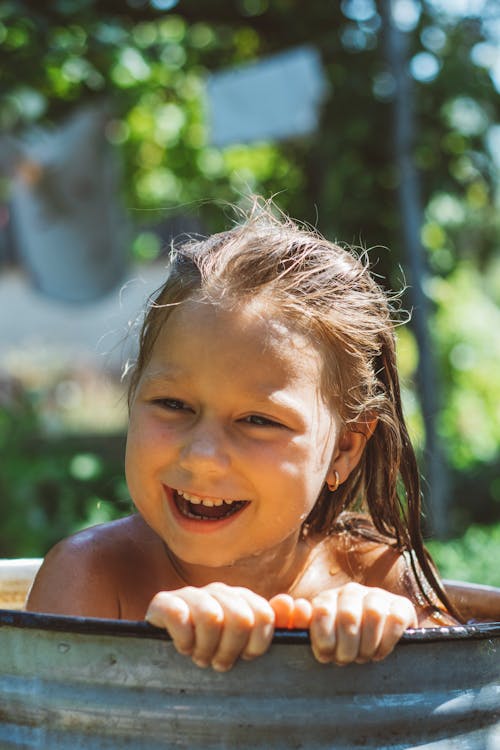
[210, 509]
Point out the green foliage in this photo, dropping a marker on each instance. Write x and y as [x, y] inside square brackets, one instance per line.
[466, 320]
[465, 330]
[151, 67]
[49, 488]
[474, 557]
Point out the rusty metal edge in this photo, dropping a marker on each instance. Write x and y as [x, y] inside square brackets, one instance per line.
[139, 629]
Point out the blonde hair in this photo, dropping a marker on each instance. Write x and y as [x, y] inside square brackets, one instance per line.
[328, 293]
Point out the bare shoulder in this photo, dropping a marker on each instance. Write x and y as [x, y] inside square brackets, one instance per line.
[372, 559]
[83, 575]
[368, 558]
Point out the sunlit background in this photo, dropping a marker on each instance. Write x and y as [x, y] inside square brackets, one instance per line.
[125, 125]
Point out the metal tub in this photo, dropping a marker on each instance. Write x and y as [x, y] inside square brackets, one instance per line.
[71, 683]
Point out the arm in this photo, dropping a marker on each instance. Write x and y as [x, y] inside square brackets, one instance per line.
[474, 601]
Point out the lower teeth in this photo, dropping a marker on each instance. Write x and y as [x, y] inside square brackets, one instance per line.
[199, 517]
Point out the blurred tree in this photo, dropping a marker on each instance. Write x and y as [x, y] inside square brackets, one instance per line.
[152, 65]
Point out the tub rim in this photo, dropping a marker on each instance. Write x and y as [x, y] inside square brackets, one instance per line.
[143, 630]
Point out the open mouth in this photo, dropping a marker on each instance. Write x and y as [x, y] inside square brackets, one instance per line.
[205, 508]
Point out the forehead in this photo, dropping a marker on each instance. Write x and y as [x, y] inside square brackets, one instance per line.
[240, 337]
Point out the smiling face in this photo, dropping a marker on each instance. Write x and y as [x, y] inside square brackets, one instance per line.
[230, 440]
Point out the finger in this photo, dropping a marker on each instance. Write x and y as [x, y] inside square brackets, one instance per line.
[262, 632]
[301, 615]
[207, 617]
[283, 606]
[169, 611]
[322, 627]
[401, 616]
[348, 623]
[239, 621]
[375, 610]
[248, 626]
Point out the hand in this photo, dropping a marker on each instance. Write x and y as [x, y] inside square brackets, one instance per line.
[214, 625]
[357, 623]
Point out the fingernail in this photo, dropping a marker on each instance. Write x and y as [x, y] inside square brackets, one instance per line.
[221, 667]
[201, 663]
[323, 659]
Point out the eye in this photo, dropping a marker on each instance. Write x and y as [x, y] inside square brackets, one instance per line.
[260, 421]
[173, 404]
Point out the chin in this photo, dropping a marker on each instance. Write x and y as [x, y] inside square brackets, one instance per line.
[203, 559]
[214, 558]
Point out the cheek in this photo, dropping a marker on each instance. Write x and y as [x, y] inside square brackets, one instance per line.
[301, 457]
[285, 463]
[133, 463]
[135, 445]
[147, 435]
[301, 474]
[144, 447]
[312, 469]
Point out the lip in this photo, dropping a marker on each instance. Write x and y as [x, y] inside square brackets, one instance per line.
[192, 524]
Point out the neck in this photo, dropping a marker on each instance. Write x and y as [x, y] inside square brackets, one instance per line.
[267, 574]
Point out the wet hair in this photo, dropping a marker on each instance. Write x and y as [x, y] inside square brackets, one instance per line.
[325, 291]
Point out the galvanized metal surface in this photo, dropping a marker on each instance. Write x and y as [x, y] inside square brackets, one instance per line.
[71, 683]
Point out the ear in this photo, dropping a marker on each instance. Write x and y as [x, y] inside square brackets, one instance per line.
[349, 449]
[367, 426]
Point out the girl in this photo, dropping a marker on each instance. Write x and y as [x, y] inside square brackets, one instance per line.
[268, 459]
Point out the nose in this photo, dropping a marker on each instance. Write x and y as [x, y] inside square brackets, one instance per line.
[205, 449]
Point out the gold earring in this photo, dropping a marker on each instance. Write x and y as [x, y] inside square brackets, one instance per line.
[332, 486]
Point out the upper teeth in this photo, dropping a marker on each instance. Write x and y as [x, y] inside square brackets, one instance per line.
[208, 501]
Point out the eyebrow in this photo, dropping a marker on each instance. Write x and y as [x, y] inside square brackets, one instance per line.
[158, 377]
